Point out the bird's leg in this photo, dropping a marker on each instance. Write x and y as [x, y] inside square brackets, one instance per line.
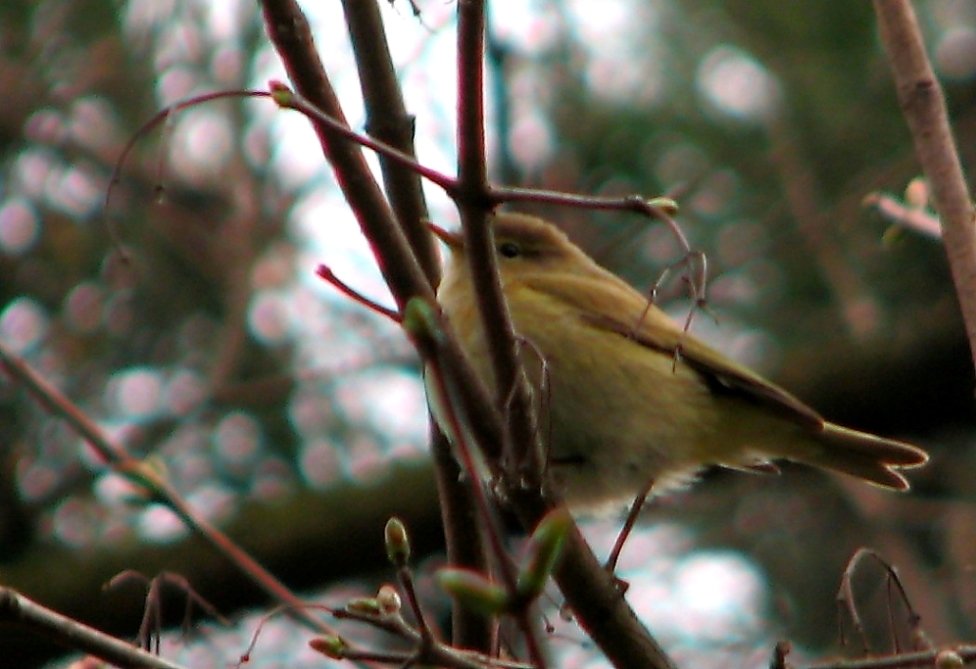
[629, 522]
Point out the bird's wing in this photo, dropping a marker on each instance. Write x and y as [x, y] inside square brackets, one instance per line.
[614, 306]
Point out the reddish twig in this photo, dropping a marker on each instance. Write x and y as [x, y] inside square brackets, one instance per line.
[162, 116]
[326, 273]
[153, 482]
[289, 99]
[289, 30]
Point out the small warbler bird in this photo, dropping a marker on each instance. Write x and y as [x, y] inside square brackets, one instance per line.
[626, 396]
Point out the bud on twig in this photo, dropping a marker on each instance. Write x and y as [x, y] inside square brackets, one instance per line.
[543, 551]
[473, 591]
[397, 542]
[330, 645]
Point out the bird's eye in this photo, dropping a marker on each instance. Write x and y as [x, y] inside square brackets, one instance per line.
[510, 249]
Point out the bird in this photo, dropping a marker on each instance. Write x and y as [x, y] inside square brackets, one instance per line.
[625, 396]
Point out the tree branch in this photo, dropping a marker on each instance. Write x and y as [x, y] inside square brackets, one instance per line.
[923, 104]
[156, 486]
[16, 608]
[292, 37]
[388, 121]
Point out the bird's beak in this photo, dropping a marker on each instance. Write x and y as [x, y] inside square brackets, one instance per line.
[453, 240]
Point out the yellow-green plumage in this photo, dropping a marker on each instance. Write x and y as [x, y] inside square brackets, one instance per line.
[621, 408]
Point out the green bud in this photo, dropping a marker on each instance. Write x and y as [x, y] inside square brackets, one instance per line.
[281, 94]
[397, 542]
[420, 320]
[473, 591]
[666, 204]
[542, 553]
[367, 605]
[329, 645]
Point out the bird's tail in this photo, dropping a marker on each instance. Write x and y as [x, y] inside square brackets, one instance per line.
[866, 456]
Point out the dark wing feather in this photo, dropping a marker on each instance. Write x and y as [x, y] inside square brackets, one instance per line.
[613, 305]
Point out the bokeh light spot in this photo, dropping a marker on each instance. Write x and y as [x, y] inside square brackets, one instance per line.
[955, 54]
[76, 523]
[403, 407]
[273, 479]
[160, 524]
[84, 307]
[737, 84]
[720, 593]
[135, 393]
[112, 488]
[22, 325]
[201, 144]
[319, 463]
[76, 192]
[37, 479]
[213, 501]
[19, 227]
[91, 120]
[237, 437]
[184, 392]
[531, 141]
[31, 171]
[309, 412]
[269, 316]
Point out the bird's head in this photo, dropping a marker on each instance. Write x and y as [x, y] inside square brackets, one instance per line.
[524, 245]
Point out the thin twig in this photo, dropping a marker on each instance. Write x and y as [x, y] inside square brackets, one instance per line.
[473, 203]
[388, 121]
[162, 116]
[464, 538]
[405, 576]
[595, 600]
[326, 273]
[427, 651]
[15, 608]
[598, 605]
[521, 445]
[292, 37]
[133, 469]
[454, 416]
[923, 104]
[846, 601]
[659, 208]
[291, 34]
[290, 99]
[151, 627]
[922, 660]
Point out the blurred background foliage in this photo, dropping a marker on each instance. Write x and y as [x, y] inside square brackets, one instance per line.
[296, 419]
